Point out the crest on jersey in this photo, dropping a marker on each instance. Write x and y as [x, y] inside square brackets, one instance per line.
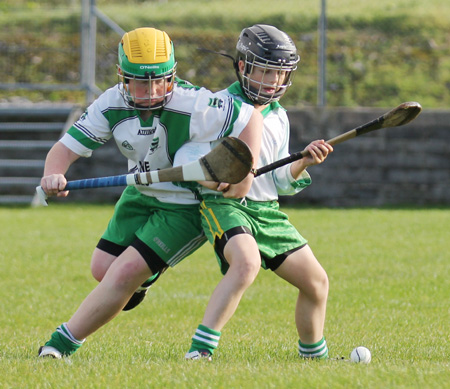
[215, 102]
[154, 145]
[127, 145]
[84, 115]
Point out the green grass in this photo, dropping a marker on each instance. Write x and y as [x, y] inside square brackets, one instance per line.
[389, 283]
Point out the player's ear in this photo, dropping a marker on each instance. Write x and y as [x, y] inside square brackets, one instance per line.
[241, 66]
[169, 83]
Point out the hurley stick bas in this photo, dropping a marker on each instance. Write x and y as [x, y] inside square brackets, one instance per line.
[230, 161]
[403, 114]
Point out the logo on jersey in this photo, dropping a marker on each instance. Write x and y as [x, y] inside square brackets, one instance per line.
[150, 131]
[154, 145]
[127, 145]
[215, 102]
[84, 115]
[161, 244]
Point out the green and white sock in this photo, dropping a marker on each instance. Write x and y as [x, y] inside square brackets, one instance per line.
[205, 339]
[63, 340]
[317, 350]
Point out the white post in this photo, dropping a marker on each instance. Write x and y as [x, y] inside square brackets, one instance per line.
[88, 48]
[322, 84]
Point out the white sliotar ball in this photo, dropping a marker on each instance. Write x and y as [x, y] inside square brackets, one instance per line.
[361, 355]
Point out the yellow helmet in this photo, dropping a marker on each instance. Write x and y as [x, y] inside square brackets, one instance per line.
[146, 54]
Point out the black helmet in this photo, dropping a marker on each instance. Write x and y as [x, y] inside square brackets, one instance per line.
[267, 48]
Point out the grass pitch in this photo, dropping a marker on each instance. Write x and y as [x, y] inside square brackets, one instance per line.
[389, 285]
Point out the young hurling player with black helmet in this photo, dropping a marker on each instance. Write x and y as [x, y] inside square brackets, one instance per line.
[150, 115]
[251, 232]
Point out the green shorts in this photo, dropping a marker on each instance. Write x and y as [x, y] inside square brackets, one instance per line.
[275, 235]
[171, 231]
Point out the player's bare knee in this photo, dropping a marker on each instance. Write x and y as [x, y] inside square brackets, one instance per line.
[319, 287]
[316, 288]
[127, 275]
[245, 270]
[323, 287]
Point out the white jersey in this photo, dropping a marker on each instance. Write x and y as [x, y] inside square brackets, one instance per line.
[193, 114]
[274, 146]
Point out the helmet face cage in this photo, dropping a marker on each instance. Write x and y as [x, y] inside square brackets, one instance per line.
[267, 49]
[255, 90]
[129, 84]
[146, 64]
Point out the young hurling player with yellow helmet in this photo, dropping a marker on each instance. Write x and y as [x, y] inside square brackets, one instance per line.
[149, 114]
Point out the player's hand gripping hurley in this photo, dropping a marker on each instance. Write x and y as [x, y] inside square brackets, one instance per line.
[230, 161]
[398, 116]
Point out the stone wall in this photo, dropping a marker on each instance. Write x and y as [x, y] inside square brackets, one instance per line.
[408, 165]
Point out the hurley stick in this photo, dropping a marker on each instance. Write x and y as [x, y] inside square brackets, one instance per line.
[230, 161]
[398, 116]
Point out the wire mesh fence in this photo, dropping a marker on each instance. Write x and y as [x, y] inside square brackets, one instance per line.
[377, 54]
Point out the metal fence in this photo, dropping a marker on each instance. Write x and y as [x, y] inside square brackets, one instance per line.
[81, 55]
[67, 49]
[58, 63]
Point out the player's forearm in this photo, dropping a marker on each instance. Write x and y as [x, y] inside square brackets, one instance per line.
[318, 151]
[297, 168]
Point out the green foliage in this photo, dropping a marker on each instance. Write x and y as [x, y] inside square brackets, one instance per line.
[389, 283]
[378, 53]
